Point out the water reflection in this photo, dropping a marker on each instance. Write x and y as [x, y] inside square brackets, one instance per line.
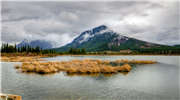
[34, 74]
[94, 74]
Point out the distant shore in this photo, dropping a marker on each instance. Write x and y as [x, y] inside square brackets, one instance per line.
[53, 55]
[31, 57]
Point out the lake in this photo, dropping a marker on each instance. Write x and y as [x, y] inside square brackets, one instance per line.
[145, 82]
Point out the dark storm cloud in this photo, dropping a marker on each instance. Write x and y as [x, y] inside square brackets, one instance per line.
[62, 21]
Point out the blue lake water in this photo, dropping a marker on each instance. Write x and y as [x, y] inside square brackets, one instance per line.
[146, 82]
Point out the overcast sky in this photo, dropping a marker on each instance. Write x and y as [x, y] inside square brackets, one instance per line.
[61, 22]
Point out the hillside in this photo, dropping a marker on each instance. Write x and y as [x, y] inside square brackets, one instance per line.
[102, 38]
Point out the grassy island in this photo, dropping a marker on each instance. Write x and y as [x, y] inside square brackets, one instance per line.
[80, 66]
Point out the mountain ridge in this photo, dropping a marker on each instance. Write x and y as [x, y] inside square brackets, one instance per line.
[43, 44]
[102, 38]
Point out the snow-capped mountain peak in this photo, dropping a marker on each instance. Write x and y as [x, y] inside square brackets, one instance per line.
[85, 36]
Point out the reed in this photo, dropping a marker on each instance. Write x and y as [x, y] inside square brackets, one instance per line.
[135, 61]
[123, 68]
[79, 66]
[9, 97]
[20, 59]
[108, 69]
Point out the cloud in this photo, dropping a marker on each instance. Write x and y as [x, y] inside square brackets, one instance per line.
[60, 22]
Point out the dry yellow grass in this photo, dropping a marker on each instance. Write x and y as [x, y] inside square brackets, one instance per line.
[20, 59]
[10, 97]
[124, 68]
[136, 61]
[79, 66]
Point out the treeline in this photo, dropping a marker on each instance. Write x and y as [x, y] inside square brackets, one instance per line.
[7, 48]
[76, 51]
[157, 51]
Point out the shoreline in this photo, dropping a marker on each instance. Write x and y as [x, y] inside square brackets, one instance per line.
[54, 55]
[120, 55]
[21, 57]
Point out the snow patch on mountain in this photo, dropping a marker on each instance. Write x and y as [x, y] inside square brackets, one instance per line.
[85, 37]
[91, 33]
[105, 31]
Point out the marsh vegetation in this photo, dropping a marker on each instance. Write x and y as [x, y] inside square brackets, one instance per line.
[86, 66]
[9, 97]
[21, 58]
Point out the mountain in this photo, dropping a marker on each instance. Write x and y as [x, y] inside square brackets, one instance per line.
[177, 46]
[102, 38]
[41, 43]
